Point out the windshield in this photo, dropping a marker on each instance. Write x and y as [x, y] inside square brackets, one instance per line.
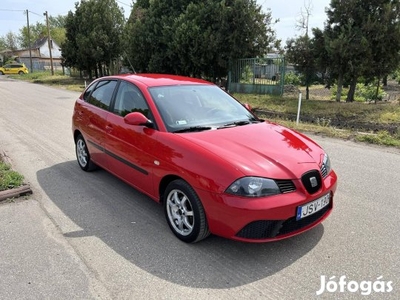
[198, 107]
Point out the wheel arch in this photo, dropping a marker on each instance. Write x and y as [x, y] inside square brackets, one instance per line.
[165, 181]
[76, 133]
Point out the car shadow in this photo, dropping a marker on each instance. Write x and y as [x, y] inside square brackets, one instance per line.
[134, 226]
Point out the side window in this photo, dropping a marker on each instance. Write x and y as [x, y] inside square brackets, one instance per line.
[102, 94]
[130, 99]
[88, 91]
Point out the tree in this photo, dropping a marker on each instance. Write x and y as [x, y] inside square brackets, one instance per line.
[300, 52]
[302, 23]
[10, 41]
[384, 35]
[196, 38]
[39, 30]
[93, 36]
[362, 39]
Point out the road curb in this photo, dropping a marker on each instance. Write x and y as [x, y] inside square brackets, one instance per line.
[15, 193]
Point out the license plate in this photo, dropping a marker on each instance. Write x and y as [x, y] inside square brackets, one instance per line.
[312, 207]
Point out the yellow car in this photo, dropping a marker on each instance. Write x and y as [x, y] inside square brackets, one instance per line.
[14, 68]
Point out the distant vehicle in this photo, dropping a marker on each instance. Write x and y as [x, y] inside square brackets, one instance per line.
[14, 68]
[215, 166]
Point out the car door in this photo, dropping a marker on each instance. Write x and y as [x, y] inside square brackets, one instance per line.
[130, 147]
[7, 69]
[14, 68]
[93, 112]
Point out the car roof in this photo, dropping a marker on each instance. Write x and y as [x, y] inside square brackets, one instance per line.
[151, 80]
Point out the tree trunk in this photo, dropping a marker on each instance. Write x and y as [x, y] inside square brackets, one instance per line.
[377, 90]
[352, 90]
[385, 80]
[339, 88]
[307, 92]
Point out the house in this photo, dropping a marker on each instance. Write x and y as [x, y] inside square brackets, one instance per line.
[40, 55]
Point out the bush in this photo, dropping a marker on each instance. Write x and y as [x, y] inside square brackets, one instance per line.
[363, 93]
[368, 93]
[293, 79]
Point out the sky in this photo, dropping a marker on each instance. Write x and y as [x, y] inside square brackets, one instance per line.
[13, 17]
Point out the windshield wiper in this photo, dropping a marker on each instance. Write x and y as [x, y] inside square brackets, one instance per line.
[233, 124]
[193, 129]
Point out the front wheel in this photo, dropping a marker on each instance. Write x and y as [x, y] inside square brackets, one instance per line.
[1, 73]
[83, 155]
[184, 212]
[21, 73]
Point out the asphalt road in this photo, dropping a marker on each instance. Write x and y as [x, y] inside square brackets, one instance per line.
[120, 247]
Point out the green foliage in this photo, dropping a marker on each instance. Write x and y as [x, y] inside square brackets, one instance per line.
[196, 38]
[293, 78]
[363, 93]
[362, 38]
[93, 35]
[247, 75]
[368, 93]
[8, 178]
[39, 30]
[300, 52]
[381, 138]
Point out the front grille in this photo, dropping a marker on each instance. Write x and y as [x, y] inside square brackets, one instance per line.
[291, 224]
[312, 181]
[262, 229]
[265, 229]
[285, 186]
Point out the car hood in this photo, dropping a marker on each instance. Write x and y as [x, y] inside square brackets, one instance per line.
[263, 149]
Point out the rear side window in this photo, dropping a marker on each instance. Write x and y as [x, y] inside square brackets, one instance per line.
[102, 94]
[88, 91]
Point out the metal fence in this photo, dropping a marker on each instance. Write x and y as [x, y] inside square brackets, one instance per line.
[257, 76]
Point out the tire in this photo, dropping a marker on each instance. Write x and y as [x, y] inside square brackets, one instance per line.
[1, 73]
[83, 155]
[184, 212]
[21, 73]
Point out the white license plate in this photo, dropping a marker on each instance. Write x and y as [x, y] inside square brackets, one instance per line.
[313, 207]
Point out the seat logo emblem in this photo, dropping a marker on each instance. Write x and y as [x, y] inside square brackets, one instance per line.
[313, 181]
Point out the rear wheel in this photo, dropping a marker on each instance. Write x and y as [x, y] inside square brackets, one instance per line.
[184, 212]
[83, 155]
[1, 73]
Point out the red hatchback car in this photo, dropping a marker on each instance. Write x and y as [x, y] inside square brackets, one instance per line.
[214, 165]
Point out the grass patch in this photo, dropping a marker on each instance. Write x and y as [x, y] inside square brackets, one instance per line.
[57, 80]
[8, 178]
[387, 112]
[382, 138]
[326, 111]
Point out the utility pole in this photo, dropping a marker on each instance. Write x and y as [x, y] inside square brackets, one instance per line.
[29, 40]
[49, 41]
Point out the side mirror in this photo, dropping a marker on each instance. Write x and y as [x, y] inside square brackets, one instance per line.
[247, 106]
[138, 119]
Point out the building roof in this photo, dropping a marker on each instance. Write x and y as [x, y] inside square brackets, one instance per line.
[39, 42]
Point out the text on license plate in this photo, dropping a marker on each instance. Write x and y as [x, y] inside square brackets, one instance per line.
[312, 207]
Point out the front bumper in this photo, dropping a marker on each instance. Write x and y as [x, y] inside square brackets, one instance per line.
[265, 219]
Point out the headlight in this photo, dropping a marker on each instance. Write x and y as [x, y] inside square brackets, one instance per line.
[253, 187]
[326, 165]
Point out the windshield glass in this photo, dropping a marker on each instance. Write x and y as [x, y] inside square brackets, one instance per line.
[198, 107]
